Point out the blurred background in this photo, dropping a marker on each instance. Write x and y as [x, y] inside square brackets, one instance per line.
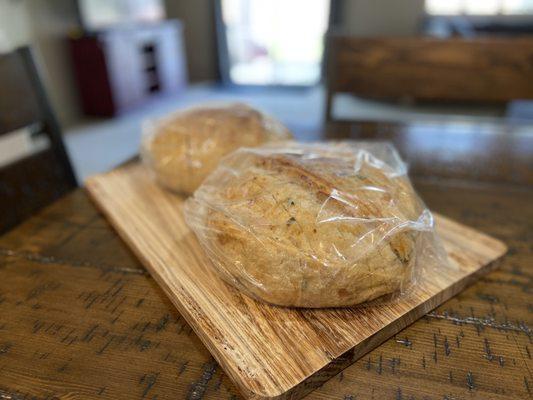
[450, 82]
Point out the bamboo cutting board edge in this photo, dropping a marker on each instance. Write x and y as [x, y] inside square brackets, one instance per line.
[360, 349]
[337, 362]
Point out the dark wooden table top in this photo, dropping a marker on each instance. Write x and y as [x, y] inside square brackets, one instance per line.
[81, 318]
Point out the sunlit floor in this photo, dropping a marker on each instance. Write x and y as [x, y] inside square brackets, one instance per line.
[98, 145]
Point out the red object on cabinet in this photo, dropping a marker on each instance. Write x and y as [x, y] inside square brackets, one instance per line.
[121, 67]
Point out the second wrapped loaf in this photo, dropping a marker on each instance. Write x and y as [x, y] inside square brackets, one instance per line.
[304, 225]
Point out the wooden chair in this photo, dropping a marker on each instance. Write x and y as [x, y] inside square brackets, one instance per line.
[429, 69]
[30, 183]
[454, 70]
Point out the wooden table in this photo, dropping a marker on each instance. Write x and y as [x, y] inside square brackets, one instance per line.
[81, 318]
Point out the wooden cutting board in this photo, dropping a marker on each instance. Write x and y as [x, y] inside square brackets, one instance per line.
[269, 352]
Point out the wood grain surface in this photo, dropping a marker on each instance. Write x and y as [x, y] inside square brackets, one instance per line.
[474, 150]
[479, 69]
[269, 352]
[81, 319]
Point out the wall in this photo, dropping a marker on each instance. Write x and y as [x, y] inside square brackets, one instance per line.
[200, 36]
[45, 25]
[381, 17]
[52, 20]
[14, 24]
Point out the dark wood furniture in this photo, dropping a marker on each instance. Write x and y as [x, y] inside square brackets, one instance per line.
[36, 180]
[120, 67]
[481, 70]
[82, 318]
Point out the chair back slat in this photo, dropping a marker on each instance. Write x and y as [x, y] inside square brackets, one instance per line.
[470, 70]
[38, 177]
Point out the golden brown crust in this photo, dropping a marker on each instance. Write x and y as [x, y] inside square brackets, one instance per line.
[307, 233]
[184, 148]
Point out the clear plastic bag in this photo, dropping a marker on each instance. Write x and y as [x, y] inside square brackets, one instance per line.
[314, 225]
[184, 147]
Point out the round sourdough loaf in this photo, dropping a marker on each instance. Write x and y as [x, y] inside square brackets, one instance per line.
[184, 148]
[309, 225]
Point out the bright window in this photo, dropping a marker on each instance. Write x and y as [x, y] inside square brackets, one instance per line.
[479, 7]
[275, 42]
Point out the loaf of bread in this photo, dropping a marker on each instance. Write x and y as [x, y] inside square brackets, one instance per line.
[311, 225]
[182, 149]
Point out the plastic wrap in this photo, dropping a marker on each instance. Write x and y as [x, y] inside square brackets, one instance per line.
[314, 225]
[184, 147]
